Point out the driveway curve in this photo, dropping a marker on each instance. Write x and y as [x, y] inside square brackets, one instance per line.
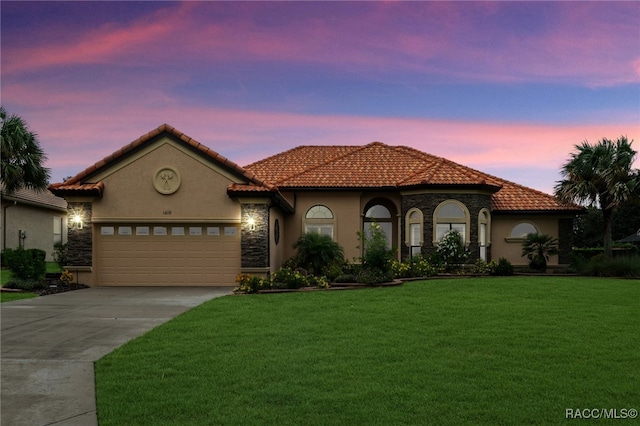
[49, 345]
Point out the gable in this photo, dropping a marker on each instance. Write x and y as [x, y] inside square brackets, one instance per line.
[193, 187]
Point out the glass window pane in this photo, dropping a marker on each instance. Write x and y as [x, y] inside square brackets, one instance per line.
[451, 210]
[522, 229]
[378, 212]
[326, 230]
[441, 230]
[319, 212]
[387, 228]
[414, 215]
[415, 234]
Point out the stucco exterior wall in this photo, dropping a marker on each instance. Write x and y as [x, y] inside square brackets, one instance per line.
[503, 246]
[37, 223]
[276, 239]
[348, 210]
[129, 191]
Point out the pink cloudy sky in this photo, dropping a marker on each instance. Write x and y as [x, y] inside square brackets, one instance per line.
[507, 88]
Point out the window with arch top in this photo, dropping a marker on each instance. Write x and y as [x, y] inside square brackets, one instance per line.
[380, 215]
[319, 219]
[414, 231]
[521, 230]
[451, 215]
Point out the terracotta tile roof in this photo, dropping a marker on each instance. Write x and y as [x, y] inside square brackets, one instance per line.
[79, 181]
[94, 189]
[36, 198]
[377, 165]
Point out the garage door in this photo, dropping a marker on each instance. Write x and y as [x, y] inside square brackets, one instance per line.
[164, 255]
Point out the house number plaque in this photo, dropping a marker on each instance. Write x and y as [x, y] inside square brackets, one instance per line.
[166, 180]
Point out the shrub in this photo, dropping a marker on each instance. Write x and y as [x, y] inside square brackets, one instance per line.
[501, 268]
[346, 278]
[452, 250]
[483, 267]
[25, 284]
[374, 276]
[377, 257]
[623, 266]
[26, 264]
[286, 277]
[318, 253]
[539, 248]
[60, 254]
[414, 267]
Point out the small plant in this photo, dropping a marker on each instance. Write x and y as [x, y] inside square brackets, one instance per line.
[452, 250]
[377, 257]
[539, 248]
[320, 282]
[249, 283]
[66, 277]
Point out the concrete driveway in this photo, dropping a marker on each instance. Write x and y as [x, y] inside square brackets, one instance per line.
[49, 345]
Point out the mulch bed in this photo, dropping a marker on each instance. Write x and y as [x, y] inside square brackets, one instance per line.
[59, 288]
[51, 285]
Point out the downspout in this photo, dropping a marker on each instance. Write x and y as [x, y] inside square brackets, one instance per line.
[4, 224]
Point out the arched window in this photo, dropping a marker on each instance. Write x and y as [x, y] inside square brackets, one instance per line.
[319, 219]
[451, 215]
[381, 215]
[523, 229]
[484, 232]
[414, 231]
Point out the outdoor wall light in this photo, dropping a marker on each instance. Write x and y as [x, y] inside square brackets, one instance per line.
[252, 223]
[76, 221]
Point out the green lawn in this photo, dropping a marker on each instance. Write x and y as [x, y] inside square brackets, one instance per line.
[518, 350]
[6, 274]
[11, 296]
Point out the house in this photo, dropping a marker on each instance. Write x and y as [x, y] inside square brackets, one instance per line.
[167, 210]
[33, 219]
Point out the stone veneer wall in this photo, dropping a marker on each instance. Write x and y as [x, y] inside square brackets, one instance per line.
[79, 241]
[255, 244]
[428, 202]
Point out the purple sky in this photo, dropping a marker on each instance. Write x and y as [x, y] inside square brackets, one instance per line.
[507, 88]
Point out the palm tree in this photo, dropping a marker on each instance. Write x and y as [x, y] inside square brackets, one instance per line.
[539, 248]
[316, 252]
[601, 175]
[22, 157]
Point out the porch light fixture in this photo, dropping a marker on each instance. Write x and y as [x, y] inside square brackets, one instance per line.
[252, 223]
[76, 221]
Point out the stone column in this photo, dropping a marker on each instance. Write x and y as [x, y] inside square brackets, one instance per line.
[255, 242]
[79, 241]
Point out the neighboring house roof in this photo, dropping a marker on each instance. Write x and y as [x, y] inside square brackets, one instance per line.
[32, 197]
[633, 238]
[377, 165]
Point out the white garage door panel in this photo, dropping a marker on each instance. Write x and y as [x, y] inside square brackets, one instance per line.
[159, 260]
